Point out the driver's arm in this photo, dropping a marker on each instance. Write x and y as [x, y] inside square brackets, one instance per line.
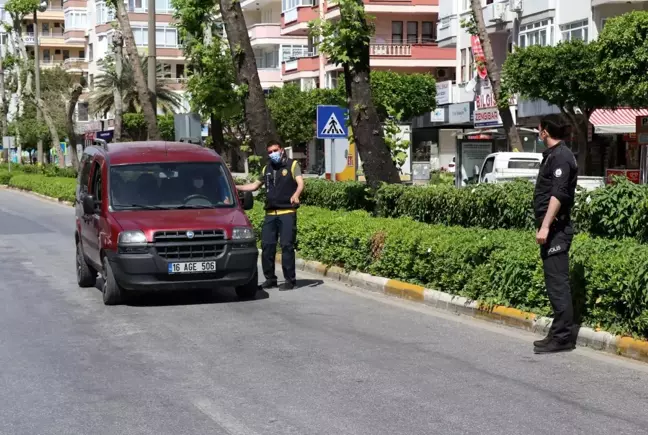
[250, 187]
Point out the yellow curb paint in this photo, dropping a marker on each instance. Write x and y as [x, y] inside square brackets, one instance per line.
[404, 290]
[320, 268]
[629, 344]
[513, 313]
[335, 270]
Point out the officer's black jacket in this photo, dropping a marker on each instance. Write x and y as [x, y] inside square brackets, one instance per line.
[280, 184]
[557, 177]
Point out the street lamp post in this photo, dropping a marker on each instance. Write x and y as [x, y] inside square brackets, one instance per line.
[42, 7]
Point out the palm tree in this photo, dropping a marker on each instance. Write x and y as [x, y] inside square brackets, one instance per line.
[102, 97]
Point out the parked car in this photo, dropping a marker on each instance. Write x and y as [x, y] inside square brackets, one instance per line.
[156, 216]
[507, 166]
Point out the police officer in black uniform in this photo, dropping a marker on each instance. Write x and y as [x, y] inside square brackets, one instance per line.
[284, 184]
[553, 200]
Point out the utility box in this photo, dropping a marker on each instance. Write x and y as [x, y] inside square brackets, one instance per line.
[187, 125]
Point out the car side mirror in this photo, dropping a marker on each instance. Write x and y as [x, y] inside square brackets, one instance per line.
[247, 199]
[476, 170]
[89, 204]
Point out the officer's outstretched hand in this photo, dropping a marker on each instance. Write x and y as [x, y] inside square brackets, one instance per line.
[294, 199]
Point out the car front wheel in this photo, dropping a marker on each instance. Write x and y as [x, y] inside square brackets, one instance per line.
[86, 275]
[113, 294]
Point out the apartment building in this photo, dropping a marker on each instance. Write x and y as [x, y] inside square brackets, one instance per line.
[405, 41]
[466, 107]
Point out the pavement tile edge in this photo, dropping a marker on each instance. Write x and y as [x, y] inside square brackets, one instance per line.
[512, 317]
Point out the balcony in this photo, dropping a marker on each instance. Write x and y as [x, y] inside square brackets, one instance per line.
[307, 66]
[390, 7]
[270, 77]
[265, 34]
[295, 21]
[411, 55]
[447, 29]
[50, 63]
[175, 83]
[51, 13]
[75, 64]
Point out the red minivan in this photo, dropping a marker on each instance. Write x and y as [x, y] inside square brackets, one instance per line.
[161, 216]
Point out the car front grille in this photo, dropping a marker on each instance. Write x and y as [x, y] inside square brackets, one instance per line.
[177, 245]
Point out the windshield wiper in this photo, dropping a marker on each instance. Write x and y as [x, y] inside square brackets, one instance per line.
[184, 207]
[143, 206]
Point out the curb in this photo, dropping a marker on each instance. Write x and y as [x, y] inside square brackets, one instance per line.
[38, 195]
[587, 337]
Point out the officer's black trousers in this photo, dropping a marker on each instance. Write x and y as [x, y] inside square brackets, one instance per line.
[555, 258]
[281, 227]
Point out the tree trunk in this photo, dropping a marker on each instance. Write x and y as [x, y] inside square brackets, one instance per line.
[3, 108]
[218, 138]
[367, 130]
[493, 71]
[257, 116]
[69, 124]
[56, 144]
[579, 125]
[118, 47]
[140, 81]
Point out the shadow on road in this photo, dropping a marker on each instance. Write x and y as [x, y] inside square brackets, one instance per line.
[185, 297]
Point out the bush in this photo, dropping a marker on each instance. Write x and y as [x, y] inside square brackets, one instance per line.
[61, 188]
[609, 278]
[5, 176]
[334, 196]
[49, 170]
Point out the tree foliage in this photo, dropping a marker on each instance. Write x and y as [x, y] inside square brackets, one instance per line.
[102, 97]
[622, 59]
[408, 94]
[560, 74]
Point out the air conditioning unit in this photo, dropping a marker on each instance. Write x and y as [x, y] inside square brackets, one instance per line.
[500, 11]
[515, 5]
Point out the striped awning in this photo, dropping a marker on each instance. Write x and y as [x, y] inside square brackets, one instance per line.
[618, 121]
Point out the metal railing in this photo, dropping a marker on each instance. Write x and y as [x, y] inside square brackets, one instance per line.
[394, 50]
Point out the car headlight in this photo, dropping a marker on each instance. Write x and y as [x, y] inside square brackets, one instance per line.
[243, 233]
[132, 238]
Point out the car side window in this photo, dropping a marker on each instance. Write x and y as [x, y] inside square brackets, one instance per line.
[97, 188]
[488, 167]
[84, 174]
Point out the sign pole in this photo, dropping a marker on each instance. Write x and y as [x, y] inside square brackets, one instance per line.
[333, 160]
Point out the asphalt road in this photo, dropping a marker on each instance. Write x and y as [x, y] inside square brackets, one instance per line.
[318, 360]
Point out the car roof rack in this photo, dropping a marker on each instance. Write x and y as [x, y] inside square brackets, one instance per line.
[100, 142]
[193, 140]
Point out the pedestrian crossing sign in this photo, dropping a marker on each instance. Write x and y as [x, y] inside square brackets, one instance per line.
[331, 122]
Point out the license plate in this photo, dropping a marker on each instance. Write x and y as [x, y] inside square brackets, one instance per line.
[193, 267]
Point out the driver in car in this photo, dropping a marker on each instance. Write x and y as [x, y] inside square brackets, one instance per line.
[199, 188]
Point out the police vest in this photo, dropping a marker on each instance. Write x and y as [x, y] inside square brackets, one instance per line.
[280, 184]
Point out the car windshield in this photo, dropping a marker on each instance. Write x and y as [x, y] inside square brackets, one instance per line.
[168, 186]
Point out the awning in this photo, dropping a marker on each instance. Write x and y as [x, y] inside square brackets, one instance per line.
[618, 121]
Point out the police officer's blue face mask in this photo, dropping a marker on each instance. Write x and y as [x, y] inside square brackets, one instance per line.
[275, 156]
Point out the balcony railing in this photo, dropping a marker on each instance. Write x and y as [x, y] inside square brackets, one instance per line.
[75, 63]
[174, 80]
[390, 50]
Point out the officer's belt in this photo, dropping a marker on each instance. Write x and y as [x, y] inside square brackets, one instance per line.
[280, 212]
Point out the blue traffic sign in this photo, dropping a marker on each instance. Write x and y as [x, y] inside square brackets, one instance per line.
[331, 122]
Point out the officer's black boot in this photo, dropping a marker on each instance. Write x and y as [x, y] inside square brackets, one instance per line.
[543, 342]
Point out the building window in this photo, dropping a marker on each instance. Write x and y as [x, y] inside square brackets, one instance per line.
[576, 30]
[82, 112]
[412, 32]
[538, 33]
[287, 5]
[464, 64]
[428, 32]
[165, 37]
[90, 53]
[290, 52]
[75, 19]
[397, 32]
[603, 21]
[163, 7]
[105, 14]
[82, 54]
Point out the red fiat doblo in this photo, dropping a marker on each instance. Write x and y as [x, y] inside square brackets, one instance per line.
[161, 216]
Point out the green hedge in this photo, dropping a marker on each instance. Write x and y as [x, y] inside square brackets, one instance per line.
[56, 187]
[48, 170]
[616, 211]
[5, 176]
[609, 278]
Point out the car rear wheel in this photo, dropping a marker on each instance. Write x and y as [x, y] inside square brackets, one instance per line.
[86, 275]
[248, 291]
[113, 294]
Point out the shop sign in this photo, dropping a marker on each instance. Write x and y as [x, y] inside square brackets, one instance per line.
[439, 115]
[444, 92]
[633, 175]
[459, 114]
[478, 55]
[642, 130]
[486, 111]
